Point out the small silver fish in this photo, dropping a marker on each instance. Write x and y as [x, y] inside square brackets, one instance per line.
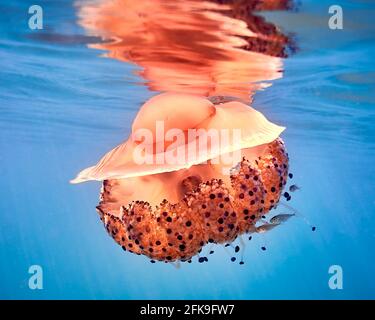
[266, 227]
[280, 218]
[294, 187]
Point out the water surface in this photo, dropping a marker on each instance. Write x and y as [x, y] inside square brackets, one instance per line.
[63, 105]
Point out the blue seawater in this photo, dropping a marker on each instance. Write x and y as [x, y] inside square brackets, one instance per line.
[62, 106]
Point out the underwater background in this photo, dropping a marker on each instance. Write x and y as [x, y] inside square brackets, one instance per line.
[62, 106]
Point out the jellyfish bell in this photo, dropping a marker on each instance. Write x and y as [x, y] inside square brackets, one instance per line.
[175, 110]
[217, 131]
[168, 211]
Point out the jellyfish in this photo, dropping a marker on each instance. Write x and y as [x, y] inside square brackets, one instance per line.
[169, 210]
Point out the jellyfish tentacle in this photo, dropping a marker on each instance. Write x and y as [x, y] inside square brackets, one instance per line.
[243, 248]
[273, 167]
[139, 221]
[248, 194]
[213, 202]
[183, 229]
[169, 233]
[116, 228]
[298, 214]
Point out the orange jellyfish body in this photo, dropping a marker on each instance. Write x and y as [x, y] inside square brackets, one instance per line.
[170, 212]
[211, 212]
